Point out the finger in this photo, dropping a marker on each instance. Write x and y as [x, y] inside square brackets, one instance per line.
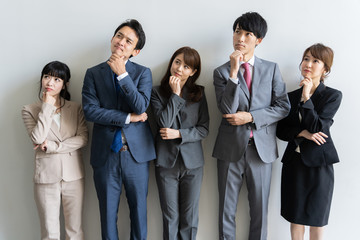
[323, 134]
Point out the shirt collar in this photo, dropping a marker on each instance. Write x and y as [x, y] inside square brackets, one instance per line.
[251, 61]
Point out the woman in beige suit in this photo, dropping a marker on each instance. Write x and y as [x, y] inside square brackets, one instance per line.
[58, 131]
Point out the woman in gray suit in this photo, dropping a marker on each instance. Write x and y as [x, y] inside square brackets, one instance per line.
[58, 131]
[182, 118]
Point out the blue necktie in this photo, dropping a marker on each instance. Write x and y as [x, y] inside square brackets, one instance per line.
[117, 141]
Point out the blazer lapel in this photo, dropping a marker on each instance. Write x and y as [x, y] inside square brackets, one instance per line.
[55, 129]
[243, 85]
[256, 77]
[108, 80]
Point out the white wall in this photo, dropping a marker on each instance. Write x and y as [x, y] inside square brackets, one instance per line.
[79, 32]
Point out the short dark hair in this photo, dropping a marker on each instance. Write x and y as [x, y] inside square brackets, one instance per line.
[252, 22]
[324, 54]
[192, 59]
[136, 26]
[60, 70]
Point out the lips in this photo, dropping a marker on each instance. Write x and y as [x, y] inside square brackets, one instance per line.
[48, 89]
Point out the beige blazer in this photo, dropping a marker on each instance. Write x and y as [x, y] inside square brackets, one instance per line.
[63, 158]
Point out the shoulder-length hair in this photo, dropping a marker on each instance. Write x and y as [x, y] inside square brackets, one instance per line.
[192, 59]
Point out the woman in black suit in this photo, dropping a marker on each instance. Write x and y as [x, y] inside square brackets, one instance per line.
[181, 113]
[307, 175]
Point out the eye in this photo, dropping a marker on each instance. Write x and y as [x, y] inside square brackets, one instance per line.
[316, 61]
[58, 79]
[129, 42]
[186, 67]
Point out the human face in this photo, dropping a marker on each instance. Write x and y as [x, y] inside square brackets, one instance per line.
[245, 42]
[180, 69]
[312, 68]
[52, 85]
[124, 43]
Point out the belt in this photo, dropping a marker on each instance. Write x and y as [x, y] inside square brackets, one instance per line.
[124, 148]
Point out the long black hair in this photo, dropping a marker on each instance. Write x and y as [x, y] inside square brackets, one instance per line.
[60, 70]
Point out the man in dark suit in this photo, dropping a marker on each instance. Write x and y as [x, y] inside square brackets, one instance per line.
[116, 95]
[252, 97]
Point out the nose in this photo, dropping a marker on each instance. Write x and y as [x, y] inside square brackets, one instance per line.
[122, 41]
[50, 82]
[242, 37]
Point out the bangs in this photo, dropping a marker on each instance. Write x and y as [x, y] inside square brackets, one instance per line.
[57, 69]
[190, 59]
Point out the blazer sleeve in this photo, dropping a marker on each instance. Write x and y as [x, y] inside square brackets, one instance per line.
[226, 92]
[72, 143]
[279, 106]
[289, 128]
[138, 97]
[38, 130]
[316, 120]
[165, 112]
[93, 110]
[201, 129]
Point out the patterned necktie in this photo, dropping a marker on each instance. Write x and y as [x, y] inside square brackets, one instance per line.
[117, 141]
[247, 77]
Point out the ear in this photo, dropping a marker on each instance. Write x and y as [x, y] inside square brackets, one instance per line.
[258, 41]
[193, 72]
[135, 52]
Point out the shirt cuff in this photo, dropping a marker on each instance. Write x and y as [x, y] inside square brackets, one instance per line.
[236, 80]
[125, 74]
[127, 121]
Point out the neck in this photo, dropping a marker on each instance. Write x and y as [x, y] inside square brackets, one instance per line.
[247, 57]
[58, 102]
[316, 83]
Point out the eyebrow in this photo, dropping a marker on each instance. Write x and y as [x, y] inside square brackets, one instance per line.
[120, 33]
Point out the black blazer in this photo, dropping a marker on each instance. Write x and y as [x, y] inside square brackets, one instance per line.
[317, 115]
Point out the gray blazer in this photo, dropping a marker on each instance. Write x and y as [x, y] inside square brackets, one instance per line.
[268, 103]
[192, 119]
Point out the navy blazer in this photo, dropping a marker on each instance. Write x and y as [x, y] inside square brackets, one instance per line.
[317, 116]
[190, 118]
[108, 110]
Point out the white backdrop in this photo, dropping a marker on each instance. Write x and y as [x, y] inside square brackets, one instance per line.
[78, 33]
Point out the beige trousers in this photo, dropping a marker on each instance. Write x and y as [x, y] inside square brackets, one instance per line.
[49, 197]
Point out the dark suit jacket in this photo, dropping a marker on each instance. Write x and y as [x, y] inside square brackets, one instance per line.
[267, 103]
[192, 119]
[317, 116]
[108, 110]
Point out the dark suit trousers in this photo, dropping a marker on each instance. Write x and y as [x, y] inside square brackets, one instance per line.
[179, 192]
[120, 169]
[230, 179]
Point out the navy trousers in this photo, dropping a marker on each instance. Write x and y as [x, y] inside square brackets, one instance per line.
[122, 169]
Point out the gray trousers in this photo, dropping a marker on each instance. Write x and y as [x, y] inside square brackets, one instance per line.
[179, 192]
[230, 179]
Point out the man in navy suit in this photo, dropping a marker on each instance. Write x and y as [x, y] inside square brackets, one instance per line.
[115, 96]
